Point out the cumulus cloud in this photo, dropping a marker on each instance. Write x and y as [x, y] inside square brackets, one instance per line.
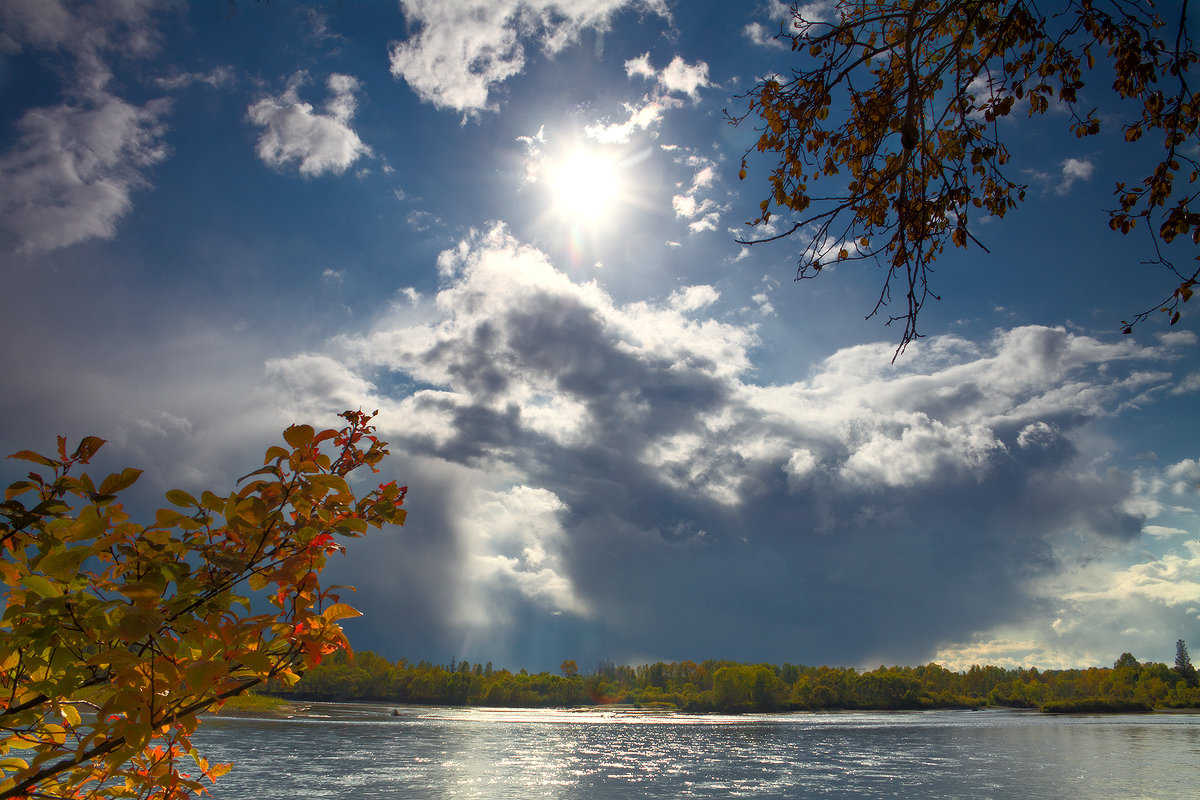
[1184, 477]
[294, 132]
[763, 36]
[74, 167]
[654, 472]
[71, 174]
[90, 32]
[678, 76]
[462, 50]
[515, 539]
[1074, 169]
[693, 298]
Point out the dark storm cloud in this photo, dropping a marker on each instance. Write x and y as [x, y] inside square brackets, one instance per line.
[614, 468]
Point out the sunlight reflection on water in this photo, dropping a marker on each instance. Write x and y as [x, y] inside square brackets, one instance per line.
[361, 751]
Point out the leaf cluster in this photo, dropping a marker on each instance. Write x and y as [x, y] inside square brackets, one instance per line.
[115, 634]
[896, 113]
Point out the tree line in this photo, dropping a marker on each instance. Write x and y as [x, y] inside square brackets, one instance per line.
[731, 687]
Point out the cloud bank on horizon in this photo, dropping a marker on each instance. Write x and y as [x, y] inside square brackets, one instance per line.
[612, 452]
[638, 479]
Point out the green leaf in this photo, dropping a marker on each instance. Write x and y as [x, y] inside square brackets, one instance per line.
[116, 483]
[273, 453]
[37, 458]
[352, 524]
[334, 482]
[18, 488]
[40, 586]
[63, 563]
[141, 590]
[252, 510]
[181, 498]
[166, 518]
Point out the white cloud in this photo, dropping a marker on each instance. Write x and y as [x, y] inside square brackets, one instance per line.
[702, 213]
[763, 36]
[319, 31]
[1074, 169]
[533, 154]
[693, 298]
[645, 421]
[462, 50]
[313, 384]
[70, 176]
[763, 301]
[1162, 531]
[1184, 477]
[1037, 434]
[800, 465]
[641, 117]
[89, 32]
[817, 11]
[515, 541]
[422, 221]
[217, 78]
[1172, 580]
[71, 173]
[293, 132]
[915, 450]
[1190, 383]
[678, 76]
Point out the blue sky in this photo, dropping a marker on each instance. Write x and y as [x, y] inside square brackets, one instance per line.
[510, 226]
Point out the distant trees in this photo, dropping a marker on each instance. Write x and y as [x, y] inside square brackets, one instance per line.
[894, 109]
[728, 686]
[1183, 663]
[1126, 660]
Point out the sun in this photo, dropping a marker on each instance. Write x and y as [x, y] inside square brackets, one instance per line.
[585, 187]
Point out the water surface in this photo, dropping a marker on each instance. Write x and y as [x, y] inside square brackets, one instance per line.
[362, 751]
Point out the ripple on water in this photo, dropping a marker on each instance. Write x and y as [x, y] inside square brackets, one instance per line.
[363, 752]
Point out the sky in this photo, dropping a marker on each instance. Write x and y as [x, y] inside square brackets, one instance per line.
[510, 226]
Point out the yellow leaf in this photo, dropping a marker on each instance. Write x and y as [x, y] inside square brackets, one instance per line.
[299, 435]
[21, 743]
[339, 611]
[71, 715]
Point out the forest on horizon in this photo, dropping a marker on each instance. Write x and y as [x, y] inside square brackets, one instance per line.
[731, 687]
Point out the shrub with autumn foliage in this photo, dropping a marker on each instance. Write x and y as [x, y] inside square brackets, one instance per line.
[115, 635]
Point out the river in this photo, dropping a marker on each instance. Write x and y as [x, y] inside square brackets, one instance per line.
[366, 752]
